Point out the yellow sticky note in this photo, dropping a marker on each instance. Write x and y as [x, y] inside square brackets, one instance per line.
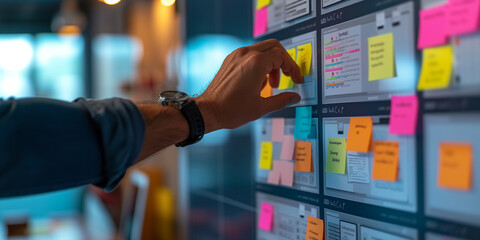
[455, 166]
[263, 3]
[436, 68]
[381, 57]
[304, 58]
[385, 161]
[315, 228]
[266, 156]
[286, 81]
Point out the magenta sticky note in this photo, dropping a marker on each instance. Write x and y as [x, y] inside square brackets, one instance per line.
[288, 147]
[274, 174]
[432, 29]
[403, 115]
[463, 16]
[286, 173]
[265, 221]
[278, 126]
[261, 22]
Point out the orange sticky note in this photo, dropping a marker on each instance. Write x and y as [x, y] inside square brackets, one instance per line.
[267, 91]
[303, 157]
[385, 161]
[359, 134]
[314, 228]
[455, 166]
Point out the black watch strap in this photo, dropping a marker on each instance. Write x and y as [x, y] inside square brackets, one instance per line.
[195, 122]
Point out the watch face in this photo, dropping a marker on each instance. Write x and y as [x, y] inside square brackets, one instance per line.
[173, 96]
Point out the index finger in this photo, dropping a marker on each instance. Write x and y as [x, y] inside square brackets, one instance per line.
[278, 58]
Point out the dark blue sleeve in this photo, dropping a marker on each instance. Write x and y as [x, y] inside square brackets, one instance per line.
[48, 145]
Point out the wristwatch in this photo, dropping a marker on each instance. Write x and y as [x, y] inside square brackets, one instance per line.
[189, 109]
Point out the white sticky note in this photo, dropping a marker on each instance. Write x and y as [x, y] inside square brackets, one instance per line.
[358, 169]
[348, 231]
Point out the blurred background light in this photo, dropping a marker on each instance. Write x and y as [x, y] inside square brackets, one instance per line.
[168, 3]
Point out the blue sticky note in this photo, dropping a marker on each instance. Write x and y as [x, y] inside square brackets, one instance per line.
[303, 122]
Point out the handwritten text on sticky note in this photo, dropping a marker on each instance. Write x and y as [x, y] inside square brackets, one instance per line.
[304, 58]
[336, 156]
[266, 155]
[436, 68]
[455, 166]
[303, 157]
[463, 16]
[381, 57]
[265, 221]
[432, 29]
[359, 134]
[385, 161]
[303, 122]
[315, 228]
[403, 115]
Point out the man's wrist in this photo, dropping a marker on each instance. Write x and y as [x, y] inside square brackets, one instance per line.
[210, 113]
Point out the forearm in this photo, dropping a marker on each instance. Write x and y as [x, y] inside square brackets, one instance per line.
[166, 125]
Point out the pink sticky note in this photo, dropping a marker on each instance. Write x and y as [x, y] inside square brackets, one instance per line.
[463, 16]
[403, 115]
[286, 173]
[278, 125]
[274, 174]
[432, 30]
[265, 221]
[261, 22]
[288, 146]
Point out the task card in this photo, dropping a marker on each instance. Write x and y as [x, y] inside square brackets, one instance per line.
[436, 68]
[403, 115]
[381, 57]
[263, 3]
[265, 221]
[304, 58]
[314, 228]
[261, 22]
[278, 126]
[385, 161]
[359, 134]
[432, 29]
[303, 157]
[288, 147]
[286, 173]
[267, 90]
[358, 169]
[303, 122]
[274, 174]
[455, 166]
[463, 16]
[336, 156]
[286, 82]
[266, 156]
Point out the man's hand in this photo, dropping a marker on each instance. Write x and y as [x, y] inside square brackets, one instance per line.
[233, 97]
[231, 100]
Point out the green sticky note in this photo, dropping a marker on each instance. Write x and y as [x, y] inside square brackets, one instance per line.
[336, 156]
[381, 57]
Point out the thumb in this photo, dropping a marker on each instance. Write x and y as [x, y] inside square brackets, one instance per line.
[279, 101]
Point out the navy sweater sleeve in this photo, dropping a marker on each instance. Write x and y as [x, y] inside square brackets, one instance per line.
[48, 145]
